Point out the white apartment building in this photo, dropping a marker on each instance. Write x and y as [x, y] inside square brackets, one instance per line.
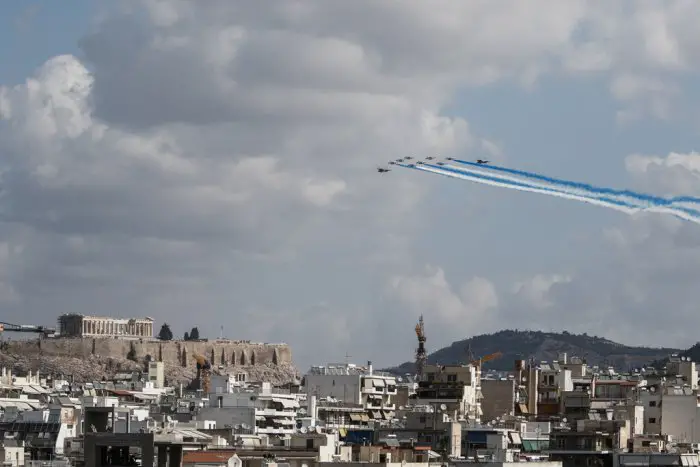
[672, 407]
[351, 386]
[262, 411]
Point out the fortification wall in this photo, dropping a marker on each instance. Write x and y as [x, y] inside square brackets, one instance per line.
[174, 353]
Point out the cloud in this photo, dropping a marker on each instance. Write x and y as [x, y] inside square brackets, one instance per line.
[674, 174]
[216, 164]
[431, 291]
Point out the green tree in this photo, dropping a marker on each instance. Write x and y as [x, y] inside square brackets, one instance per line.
[131, 355]
[165, 333]
[186, 337]
[194, 334]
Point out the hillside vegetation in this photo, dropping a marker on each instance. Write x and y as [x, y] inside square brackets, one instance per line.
[543, 346]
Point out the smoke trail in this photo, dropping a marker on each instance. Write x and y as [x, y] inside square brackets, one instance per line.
[495, 181]
[644, 202]
[579, 194]
[655, 200]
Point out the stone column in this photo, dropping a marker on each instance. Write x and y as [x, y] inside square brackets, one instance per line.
[84, 327]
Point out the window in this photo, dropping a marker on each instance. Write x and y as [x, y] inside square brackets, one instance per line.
[422, 419]
[310, 443]
[652, 420]
[452, 378]
[652, 403]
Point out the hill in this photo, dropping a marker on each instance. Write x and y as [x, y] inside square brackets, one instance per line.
[693, 353]
[543, 346]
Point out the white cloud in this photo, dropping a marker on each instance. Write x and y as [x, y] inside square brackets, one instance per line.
[473, 302]
[535, 291]
[674, 174]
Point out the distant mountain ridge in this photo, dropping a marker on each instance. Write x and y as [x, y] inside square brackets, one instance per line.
[542, 346]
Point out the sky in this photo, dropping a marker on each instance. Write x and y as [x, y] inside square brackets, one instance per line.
[213, 165]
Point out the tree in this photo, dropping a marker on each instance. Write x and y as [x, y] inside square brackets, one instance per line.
[131, 355]
[186, 337]
[165, 333]
[194, 334]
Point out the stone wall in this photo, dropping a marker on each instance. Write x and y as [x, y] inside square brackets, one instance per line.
[174, 353]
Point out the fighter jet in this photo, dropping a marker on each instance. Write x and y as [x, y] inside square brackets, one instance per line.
[393, 162]
[382, 170]
[440, 163]
[429, 158]
[408, 158]
[479, 161]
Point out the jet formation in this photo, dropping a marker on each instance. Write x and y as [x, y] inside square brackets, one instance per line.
[408, 162]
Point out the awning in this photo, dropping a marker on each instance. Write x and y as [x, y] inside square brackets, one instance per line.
[365, 417]
[260, 417]
[355, 417]
[523, 408]
[376, 414]
[515, 437]
[378, 383]
[388, 414]
[284, 421]
[286, 403]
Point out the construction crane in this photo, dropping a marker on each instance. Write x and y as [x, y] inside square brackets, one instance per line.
[43, 330]
[492, 356]
[203, 372]
[421, 354]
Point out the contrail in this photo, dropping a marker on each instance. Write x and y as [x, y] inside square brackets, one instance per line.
[620, 200]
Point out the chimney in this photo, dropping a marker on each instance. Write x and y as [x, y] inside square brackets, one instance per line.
[369, 367]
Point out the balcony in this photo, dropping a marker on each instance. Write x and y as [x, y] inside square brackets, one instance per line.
[372, 390]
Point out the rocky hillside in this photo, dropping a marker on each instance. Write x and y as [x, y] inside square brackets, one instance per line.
[23, 356]
[543, 346]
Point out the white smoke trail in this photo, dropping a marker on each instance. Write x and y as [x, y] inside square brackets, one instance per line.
[532, 189]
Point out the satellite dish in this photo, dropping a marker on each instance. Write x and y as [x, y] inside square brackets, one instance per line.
[399, 379]
[443, 407]
[238, 426]
[564, 420]
[245, 426]
[304, 429]
[401, 407]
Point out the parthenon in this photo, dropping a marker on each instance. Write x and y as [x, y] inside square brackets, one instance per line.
[75, 325]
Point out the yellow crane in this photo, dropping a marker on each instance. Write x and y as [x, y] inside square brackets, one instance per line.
[203, 372]
[492, 356]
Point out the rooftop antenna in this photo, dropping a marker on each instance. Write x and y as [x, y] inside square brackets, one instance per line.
[421, 355]
[347, 358]
[222, 332]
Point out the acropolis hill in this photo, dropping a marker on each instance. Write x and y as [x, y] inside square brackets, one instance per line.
[90, 359]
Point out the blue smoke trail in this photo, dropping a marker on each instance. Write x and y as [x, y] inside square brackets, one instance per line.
[655, 200]
[571, 190]
[643, 201]
[525, 185]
